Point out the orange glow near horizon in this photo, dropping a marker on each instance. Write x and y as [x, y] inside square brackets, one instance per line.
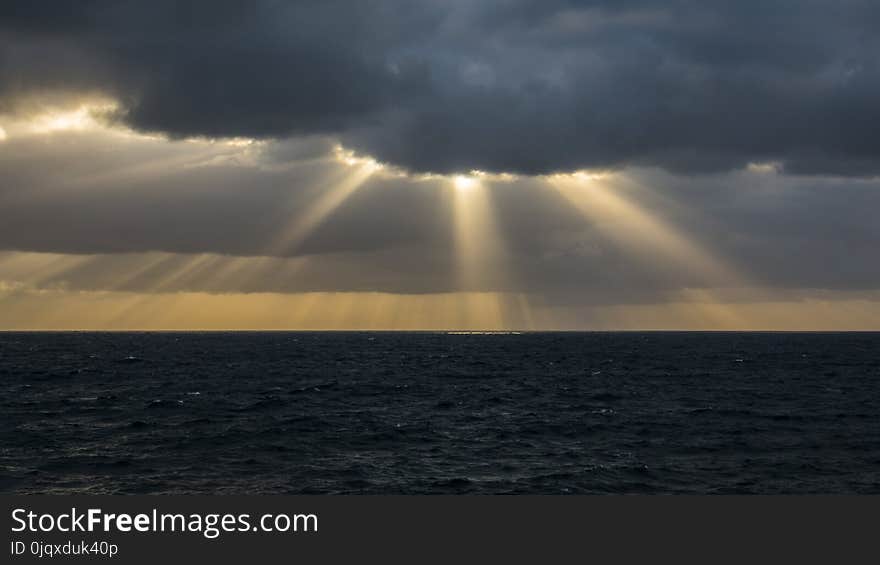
[34, 295]
[58, 309]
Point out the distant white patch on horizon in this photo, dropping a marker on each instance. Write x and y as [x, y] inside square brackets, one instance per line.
[765, 168]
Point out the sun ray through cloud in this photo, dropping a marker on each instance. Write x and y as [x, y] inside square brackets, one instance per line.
[653, 241]
[303, 223]
[481, 258]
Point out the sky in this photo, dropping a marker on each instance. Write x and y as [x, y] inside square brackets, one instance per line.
[492, 165]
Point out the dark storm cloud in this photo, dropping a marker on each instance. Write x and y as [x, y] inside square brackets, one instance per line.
[514, 85]
[207, 68]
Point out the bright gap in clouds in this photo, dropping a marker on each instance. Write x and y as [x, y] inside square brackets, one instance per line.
[463, 182]
[48, 119]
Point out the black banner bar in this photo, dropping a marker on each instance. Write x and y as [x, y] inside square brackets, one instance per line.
[285, 529]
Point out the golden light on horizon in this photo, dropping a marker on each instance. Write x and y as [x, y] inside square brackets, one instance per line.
[39, 291]
[59, 309]
[108, 310]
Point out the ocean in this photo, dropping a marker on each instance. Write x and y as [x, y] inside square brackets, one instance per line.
[426, 413]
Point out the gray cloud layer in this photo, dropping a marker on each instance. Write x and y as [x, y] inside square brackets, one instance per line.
[505, 85]
[93, 193]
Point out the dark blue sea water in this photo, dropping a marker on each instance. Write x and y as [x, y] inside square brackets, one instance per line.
[439, 413]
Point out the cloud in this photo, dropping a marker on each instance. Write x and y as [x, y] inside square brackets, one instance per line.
[226, 217]
[678, 163]
[523, 86]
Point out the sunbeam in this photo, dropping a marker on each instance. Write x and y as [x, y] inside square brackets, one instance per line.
[479, 249]
[459, 311]
[638, 231]
[656, 243]
[38, 269]
[331, 198]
